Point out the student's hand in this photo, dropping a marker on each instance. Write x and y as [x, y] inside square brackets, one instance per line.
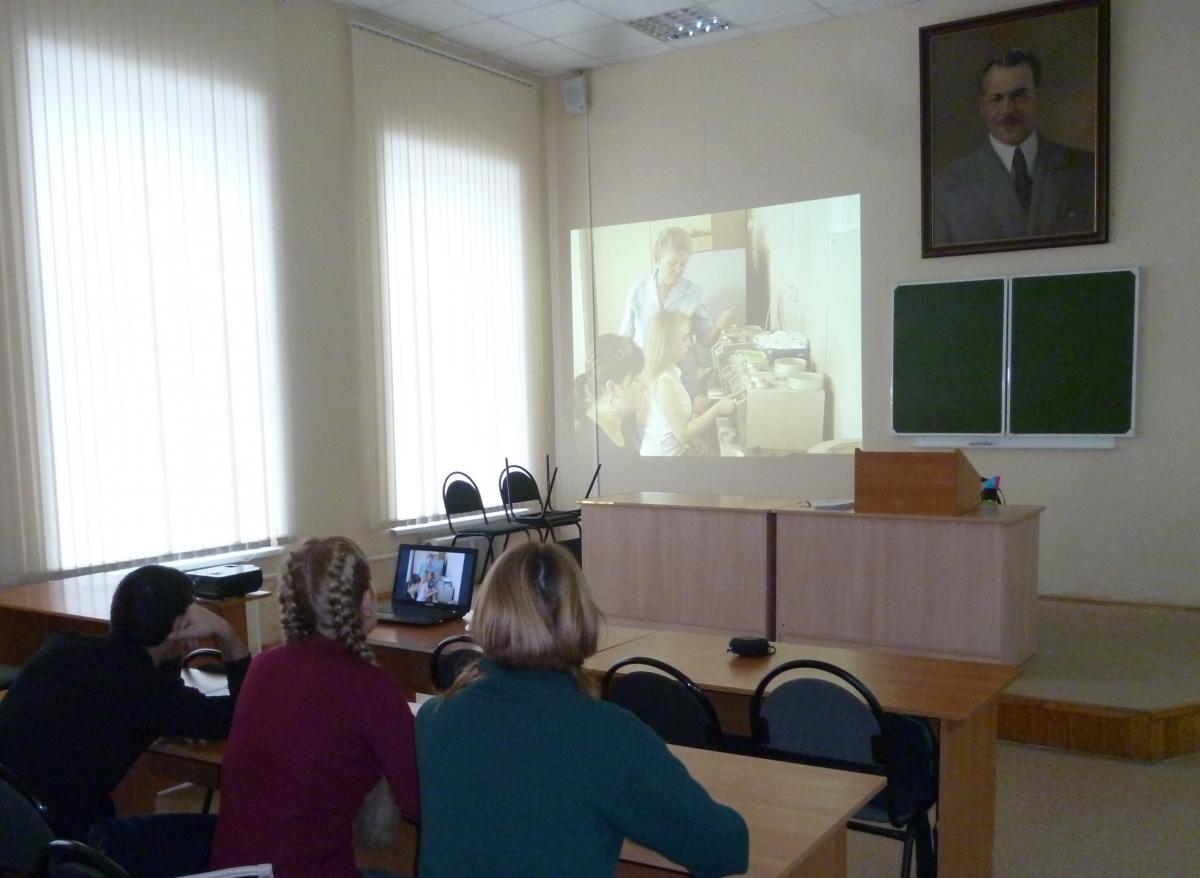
[725, 319]
[726, 406]
[198, 624]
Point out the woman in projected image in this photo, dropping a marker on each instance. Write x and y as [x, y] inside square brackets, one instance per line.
[666, 289]
[672, 428]
[609, 396]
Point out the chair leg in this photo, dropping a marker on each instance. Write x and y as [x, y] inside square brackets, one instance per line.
[906, 862]
[926, 851]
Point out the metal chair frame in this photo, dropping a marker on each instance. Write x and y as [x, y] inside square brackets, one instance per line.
[713, 730]
[460, 496]
[912, 832]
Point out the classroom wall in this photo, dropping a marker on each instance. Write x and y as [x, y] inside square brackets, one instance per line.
[833, 108]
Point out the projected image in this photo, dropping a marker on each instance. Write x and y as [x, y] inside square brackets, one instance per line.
[730, 334]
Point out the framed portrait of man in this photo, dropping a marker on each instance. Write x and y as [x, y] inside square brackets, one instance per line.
[1014, 130]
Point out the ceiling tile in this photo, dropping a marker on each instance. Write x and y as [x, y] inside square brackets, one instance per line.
[547, 58]
[746, 12]
[503, 7]
[559, 18]
[489, 36]
[432, 15]
[790, 21]
[628, 10]
[612, 39]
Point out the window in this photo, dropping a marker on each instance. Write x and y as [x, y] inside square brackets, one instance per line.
[450, 173]
[141, 363]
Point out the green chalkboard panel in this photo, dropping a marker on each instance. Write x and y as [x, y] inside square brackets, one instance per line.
[1073, 342]
[948, 358]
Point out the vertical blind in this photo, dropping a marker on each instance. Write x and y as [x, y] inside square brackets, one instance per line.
[451, 226]
[138, 289]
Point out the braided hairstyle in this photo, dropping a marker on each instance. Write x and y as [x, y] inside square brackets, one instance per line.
[321, 586]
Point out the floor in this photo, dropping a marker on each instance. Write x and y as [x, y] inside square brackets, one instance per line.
[1070, 814]
[1142, 658]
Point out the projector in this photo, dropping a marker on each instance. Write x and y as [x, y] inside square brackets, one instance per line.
[225, 581]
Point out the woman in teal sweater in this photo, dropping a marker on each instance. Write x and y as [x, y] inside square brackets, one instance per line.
[524, 773]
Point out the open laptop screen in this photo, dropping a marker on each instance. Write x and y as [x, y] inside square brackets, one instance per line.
[434, 576]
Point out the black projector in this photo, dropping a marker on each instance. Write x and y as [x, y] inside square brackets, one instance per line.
[225, 581]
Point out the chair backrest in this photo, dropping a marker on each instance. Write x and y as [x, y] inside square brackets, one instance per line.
[666, 700]
[460, 496]
[842, 725]
[450, 658]
[25, 826]
[74, 859]
[517, 485]
[156, 845]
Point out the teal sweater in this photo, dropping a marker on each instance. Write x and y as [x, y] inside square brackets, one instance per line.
[522, 775]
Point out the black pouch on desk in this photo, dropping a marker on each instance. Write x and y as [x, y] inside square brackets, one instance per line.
[750, 647]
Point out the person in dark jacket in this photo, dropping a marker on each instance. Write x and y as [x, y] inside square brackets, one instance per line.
[84, 708]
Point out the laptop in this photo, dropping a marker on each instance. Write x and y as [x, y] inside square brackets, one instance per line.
[433, 584]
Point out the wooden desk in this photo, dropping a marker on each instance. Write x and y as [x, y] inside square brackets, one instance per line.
[686, 561]
[404, 650]
[962, 587]
[959, 696]
[796, 813]
[31, 613]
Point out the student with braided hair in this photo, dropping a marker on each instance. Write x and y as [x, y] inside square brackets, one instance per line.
[555, 780]
[317, 726]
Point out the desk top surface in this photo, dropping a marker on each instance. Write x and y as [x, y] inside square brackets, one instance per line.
[789, 808]
[424, 638]
[944, 689]
[707, 502]
[85, 597]
[1003, 514]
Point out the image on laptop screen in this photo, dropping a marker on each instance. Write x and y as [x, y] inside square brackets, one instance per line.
[434, 576]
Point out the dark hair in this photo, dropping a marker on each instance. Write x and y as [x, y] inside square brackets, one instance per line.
[1013, 58]
[147, 603]
[614, 359]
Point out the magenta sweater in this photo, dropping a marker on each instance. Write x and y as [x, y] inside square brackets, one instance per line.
[314, 729]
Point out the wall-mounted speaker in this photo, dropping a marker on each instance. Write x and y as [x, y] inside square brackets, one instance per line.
[575, 95]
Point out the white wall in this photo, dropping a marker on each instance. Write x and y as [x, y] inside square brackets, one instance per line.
[833, 108]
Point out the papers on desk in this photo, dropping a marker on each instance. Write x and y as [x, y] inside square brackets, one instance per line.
[834, 505]
[261, 871]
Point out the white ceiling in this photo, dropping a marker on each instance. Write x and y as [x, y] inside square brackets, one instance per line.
[555, 37]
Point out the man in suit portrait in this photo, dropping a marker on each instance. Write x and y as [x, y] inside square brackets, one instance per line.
[1018, 184]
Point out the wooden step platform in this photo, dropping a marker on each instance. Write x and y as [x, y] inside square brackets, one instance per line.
[1110, 731]
[1121, 680]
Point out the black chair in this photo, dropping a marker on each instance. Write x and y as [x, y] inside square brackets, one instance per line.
[666, 700]
[461, 498]
[63, 858]
[817, 721]
[25, 825]
[523, 503]
[450, 658]
[156, 845]
[204, 668]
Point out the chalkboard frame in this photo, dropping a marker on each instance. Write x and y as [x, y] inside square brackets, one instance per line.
[1118, 400]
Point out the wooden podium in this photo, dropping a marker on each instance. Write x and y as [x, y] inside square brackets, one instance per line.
[915, 483]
